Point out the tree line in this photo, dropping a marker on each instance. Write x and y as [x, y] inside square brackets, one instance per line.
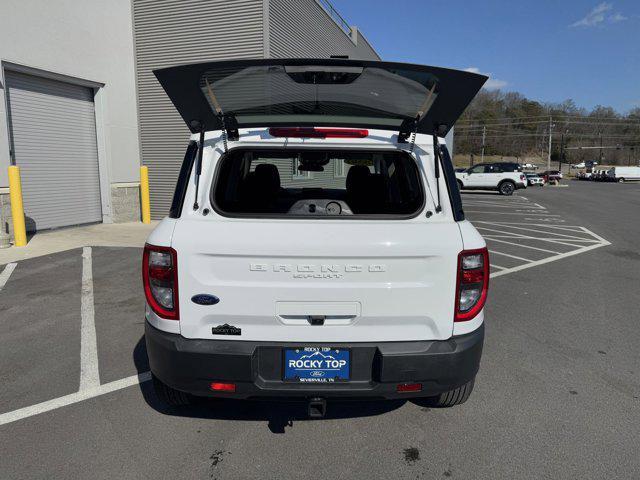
[509, 124]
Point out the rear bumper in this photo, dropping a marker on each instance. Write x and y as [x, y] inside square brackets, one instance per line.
[256, 367]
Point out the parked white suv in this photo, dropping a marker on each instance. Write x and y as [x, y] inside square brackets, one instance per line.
[502, 177]
[316, 245]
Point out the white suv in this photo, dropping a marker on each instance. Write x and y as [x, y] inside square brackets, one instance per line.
[503, 177]
[316, 245]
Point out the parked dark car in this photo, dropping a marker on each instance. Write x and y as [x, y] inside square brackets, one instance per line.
[551, 175]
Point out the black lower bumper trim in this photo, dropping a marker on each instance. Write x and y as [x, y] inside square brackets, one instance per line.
[191, 365]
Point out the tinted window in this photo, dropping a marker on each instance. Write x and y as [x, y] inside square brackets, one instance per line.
[494, 169]
[477, 169]
[317, 183]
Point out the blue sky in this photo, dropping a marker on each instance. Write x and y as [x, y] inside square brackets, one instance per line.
[547, 50]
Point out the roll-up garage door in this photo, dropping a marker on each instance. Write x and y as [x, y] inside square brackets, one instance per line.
[53, 139]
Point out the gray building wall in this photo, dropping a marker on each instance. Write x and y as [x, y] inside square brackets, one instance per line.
[175, 32]
[81, 41]
[304, 28]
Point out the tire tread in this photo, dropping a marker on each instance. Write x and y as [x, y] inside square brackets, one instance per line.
[457, 396]
[170, 396]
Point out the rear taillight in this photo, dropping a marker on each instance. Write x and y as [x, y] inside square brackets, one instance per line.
[160, 279]
[522, 177]
[317, 132]
[472, 283]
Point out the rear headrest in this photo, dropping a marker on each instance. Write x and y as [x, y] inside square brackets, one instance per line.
[268, 177]
[357, 176]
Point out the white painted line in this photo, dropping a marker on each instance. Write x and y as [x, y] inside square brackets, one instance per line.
[89, 374]
[547, 260]
[511, 256]
[566, 228]
[552, 240]
[520, 205]
[521, 237]
[80, 396]
[515, 235]
[559, 220]
[6, 273]
[497, 266]
[604, 242]
[498, 224]
[511, 213]
[494, 198]
[525, 246]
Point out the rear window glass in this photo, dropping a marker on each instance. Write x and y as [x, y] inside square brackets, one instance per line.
[317, 183]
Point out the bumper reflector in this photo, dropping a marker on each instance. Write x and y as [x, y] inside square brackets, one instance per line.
[222, 387]
[409, 387]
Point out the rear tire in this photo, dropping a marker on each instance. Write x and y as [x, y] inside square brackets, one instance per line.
[621, 180]
[507, 188]
[170, 396]
[457, 396]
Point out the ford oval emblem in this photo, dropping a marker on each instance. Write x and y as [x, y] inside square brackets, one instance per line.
[317, 373]
[204, 299]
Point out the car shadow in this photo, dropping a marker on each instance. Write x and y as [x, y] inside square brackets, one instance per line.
[277, 414]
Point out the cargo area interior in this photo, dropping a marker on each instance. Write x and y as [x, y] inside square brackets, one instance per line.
[317, 183]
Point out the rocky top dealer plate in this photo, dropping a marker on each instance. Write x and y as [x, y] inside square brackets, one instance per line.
[316, 365]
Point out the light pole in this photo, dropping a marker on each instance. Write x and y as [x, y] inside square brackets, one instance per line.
[551, 125]
[562, 146]
[601, 153]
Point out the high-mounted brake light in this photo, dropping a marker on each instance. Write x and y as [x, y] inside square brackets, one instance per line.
[317, 132]
[472, 284]
[160, 280]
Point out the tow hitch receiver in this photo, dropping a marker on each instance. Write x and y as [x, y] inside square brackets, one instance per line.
[317, 407]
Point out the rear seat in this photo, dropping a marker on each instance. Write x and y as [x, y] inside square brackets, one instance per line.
[261, 188]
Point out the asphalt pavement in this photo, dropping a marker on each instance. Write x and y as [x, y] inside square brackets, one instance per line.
[557, 396]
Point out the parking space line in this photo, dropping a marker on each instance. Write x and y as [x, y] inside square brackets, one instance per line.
[548, 259]
[511, 213]
[525, 246]
[511, 256]
[80, 396]
[6, 273]
[497, 266]
[572, 237]
[89, 373]
[542, 239]
[568, 228]
[502, 205]
[520, 236]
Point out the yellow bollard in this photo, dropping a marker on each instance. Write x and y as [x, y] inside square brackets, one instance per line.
[145, 204]
[17, 209]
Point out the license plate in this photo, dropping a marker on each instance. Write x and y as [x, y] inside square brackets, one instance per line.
[316, 365]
